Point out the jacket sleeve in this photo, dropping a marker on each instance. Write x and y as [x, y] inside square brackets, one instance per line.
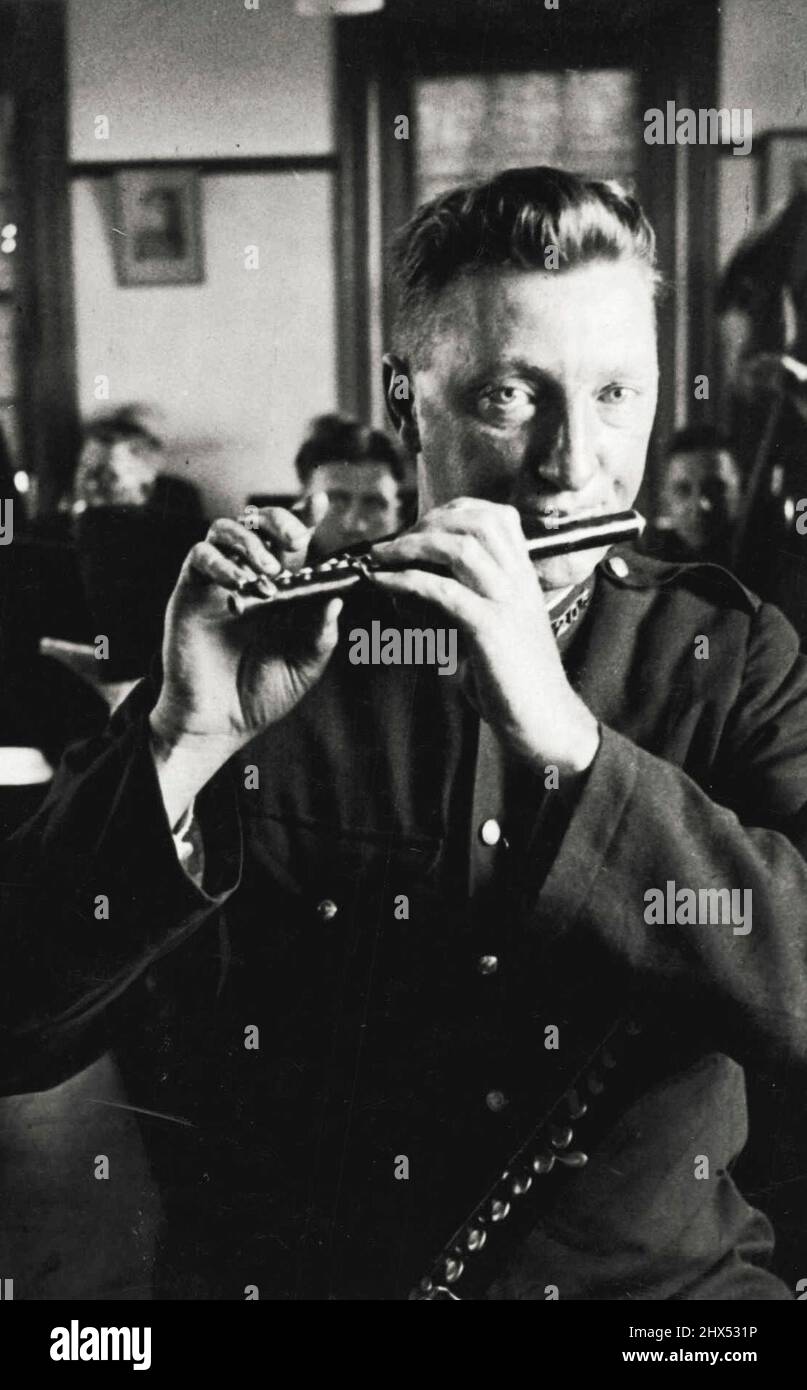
[92, 893]
[641, 824]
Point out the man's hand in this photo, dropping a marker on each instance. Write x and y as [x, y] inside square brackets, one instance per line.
[494, 597]
[228, 674]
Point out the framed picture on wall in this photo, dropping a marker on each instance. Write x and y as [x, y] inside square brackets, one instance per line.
[782, 167]
[157, 228]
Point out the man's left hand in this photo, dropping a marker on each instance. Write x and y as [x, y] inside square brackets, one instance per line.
[493, 595]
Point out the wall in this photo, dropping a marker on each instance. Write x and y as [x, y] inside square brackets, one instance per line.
[763, 53]
[236, 366]
[179, 78]
[233, 367]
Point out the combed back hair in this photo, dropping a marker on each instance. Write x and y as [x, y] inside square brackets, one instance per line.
[512, 220]
[337, 439]
[124, 423]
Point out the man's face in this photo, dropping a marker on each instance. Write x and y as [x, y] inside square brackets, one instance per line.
[702, 496]
[118, 472]
[363, 504]
[540, 391]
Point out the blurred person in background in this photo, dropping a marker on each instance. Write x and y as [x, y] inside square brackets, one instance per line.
[103, 565]
[131, 525]
[118, 463]
[762, 308]
[700, 499]
[361, 471]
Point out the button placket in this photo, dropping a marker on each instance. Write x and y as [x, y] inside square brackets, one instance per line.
[490, 833]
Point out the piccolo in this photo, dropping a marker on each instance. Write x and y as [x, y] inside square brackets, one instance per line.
[561, 535]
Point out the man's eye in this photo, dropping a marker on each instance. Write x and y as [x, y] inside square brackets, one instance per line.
[508, 400]
[618, 395]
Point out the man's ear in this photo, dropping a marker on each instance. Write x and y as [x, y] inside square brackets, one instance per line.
[400, 400]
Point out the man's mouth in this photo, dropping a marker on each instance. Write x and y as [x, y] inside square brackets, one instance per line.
[549, 512]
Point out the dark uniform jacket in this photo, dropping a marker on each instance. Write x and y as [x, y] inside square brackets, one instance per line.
[427, 1004]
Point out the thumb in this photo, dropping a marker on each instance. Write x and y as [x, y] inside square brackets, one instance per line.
[328, 635]
[312, 509]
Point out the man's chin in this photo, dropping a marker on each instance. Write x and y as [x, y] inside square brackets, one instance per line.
[563, 571]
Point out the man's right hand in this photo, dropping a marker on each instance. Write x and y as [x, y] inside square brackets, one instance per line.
[228, 675]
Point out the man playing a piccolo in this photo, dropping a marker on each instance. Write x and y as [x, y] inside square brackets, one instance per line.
[454, 979]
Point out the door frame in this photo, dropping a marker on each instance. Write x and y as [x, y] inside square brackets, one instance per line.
[33, 69]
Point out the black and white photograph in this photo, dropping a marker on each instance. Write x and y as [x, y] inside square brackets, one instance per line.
[403, 698]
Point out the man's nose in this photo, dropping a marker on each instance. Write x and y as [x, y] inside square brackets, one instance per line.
[571, 459]
[706, 504]
[355, 520]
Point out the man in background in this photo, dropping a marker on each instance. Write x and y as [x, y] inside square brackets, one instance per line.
[700, 499]
[361, 471]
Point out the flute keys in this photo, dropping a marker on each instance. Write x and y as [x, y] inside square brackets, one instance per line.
[576, 1107]
[575, 1159]
[560, 1136]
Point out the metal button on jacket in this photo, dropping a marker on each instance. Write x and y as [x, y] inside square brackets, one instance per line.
[487, 965]
[327, 909]
[490, 832]
[618, 567]
[495, 1101]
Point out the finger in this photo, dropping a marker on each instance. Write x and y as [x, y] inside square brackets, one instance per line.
[463, 554]
[503, 512]
[287, 535]
[329, 630]
[455, 599]
[234, 537]
[313, 508]
[497, 527]
[207, 564]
